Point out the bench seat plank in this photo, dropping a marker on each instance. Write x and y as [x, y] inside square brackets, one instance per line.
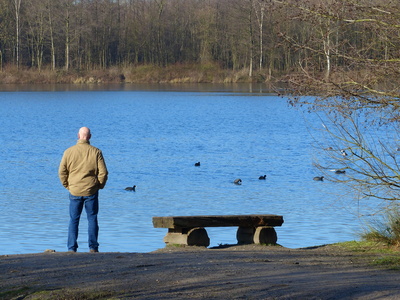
[217, 221]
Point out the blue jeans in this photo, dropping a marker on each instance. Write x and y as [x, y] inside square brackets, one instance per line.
[76, 204]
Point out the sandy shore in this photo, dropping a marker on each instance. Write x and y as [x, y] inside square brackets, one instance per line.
[234, 272]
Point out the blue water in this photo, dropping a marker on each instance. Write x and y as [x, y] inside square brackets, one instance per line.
[152, 139]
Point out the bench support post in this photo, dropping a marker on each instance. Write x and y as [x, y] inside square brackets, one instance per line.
[256, 235]
[187, 236]
[245, 235]
[265, 235]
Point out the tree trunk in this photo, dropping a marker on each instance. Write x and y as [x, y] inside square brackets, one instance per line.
[67, 38]
[51, 32]
[17, 6]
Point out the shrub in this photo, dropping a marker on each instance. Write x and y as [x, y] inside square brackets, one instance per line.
[387, 230]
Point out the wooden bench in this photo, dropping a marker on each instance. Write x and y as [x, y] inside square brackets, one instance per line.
[189, 230]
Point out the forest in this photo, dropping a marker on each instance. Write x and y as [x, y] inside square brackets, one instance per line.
[244, 40]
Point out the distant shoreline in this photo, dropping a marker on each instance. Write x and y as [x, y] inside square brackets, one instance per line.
[144, 74]
[195, 73]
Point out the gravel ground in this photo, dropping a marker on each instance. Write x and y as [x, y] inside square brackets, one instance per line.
[231, 272]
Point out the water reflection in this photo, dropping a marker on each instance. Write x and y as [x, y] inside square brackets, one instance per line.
[243, 88]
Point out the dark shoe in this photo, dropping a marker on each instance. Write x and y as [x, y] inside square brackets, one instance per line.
[94, 250]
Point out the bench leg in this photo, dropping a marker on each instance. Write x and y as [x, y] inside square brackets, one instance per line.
[245, 235]
[187, 236]
[265, 235]
[259, 235]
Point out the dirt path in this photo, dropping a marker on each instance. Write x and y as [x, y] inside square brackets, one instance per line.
[235, 272]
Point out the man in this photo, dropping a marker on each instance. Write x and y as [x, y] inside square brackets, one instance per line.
[83, 172]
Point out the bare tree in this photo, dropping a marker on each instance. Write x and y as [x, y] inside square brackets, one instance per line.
[17, 14]
[67, 26]
[259, 8]
[359, 106]
[37, 30]
[50, 12]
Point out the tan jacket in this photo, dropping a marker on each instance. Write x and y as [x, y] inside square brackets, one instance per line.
[82, 169]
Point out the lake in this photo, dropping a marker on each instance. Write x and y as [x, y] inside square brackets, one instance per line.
[151, 137]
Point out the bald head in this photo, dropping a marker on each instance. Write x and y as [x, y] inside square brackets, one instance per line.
[84, 134]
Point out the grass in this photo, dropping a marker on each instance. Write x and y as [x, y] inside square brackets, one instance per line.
[383, 237]
[366, 246]
[373, 252]
[391, 262]
[386, 230]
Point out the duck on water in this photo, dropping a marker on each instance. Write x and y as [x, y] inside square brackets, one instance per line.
[131, 188]
[237, 181]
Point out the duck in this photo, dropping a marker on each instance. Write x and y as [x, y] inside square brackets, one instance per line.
[319, 178]
[197, 164]
[262, 177]
[237, 181]
[129, 188]
[340, 171]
